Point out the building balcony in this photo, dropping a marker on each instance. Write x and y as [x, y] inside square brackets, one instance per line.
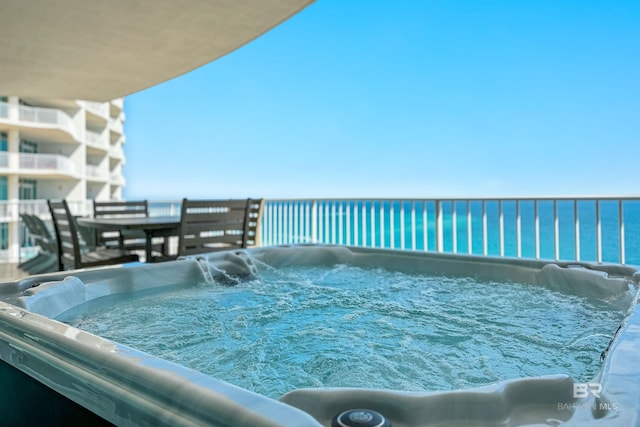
[47, 162]
[116, 178]
[96, 173]
[37, 164]
[39, 119]
[116, 152]
[47, 116]
[97, 139]
[98, 108]
[116, 106]
[97, 114]
[118, 103]
[116, 126]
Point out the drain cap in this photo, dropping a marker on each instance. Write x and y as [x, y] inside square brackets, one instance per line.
[360, 418]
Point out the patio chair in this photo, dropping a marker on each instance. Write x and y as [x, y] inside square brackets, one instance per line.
[70, 253]
[214, 225]
[39, 230]
[125, 239]
[46, 259]
[252, 219]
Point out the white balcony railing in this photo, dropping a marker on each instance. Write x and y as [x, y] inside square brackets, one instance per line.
[47, 116]
[116, 178]
[12, 209]
[116, 126]
[97, 139]
[94, 171]
[46, 162]
[98, 108]
[593, 229]
[16, 162]
[119, 102]
[9, 215]
[116, 151]
[600, 229]
[39, 115]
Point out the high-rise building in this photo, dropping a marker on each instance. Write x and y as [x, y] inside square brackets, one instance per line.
[55, 149]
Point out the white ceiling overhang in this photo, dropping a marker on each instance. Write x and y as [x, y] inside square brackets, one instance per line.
[105, 49]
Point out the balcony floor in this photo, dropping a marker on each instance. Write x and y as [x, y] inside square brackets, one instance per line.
[10, 271]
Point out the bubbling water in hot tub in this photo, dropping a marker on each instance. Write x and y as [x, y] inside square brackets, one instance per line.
[285, 328]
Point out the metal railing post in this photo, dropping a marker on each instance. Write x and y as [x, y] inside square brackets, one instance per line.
[364, 222]
[296, 222]
[413, 226]
[469, 229]
[621, 231]
[356, 224]
[439, 227]
[392, 226]
[501, 221]
[340, 220]
[598, 233]
[518, 231]
[382, 224]
[425, 227]
[373, 223]
[454, 227]
[327, 222]
[537, 228]
[576, 224]
[485, 234]
[402, 239]
[314, 221]
[556, 231]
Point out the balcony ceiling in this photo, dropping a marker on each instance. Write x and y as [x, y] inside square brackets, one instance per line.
[101, 50]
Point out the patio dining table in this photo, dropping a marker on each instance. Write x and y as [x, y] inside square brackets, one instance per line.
[155, 226]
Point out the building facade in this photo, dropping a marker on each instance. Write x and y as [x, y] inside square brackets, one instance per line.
[55, 149]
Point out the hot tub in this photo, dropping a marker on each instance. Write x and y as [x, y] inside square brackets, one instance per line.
[126, 386]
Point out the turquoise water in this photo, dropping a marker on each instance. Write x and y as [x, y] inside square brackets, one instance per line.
[330, 222]
[352, 327]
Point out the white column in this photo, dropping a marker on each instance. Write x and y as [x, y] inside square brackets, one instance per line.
[13, 195]
[14, 114]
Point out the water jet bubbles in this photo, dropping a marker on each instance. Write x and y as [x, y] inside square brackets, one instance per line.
[433, 334]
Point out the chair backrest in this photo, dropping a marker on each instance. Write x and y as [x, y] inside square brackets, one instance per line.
[40, 232]
[213, 225]
[41, 227]
[66, 234]
[117, 209]
[32, 228]
[129, 209]
[252, 219]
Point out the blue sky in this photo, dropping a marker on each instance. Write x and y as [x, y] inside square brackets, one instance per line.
[403, 99]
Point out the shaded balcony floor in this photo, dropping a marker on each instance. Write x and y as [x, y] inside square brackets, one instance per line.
[10, 271]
